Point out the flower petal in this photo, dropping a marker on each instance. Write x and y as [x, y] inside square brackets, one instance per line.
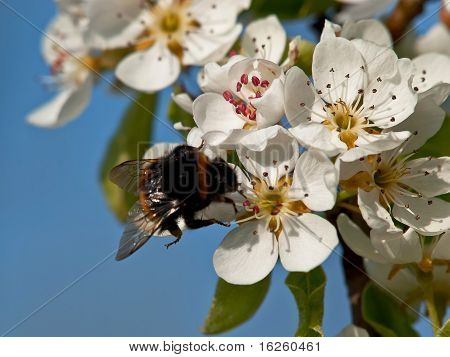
[329, 30]
[66, 106]
[114, 23]
[215, 77]
[150, 70]
[184, 101]
[432, 70]
[318, 137]
[369, 30]
[375, 215]
[396, 247]
[298, 96]
[306, 242]
[427, 216]
[380, 62]
[353, 331]
[370, 144]
[428, 176]
[270, 152]
[264, 38]
[337, 70]
[391, 98]
[247, 254]
[435, 40]
[357, 240]
[421, 129]
[316, 177]
[202, 47]
[213, 113]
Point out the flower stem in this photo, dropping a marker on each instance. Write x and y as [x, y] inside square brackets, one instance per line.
[349, 206]
[431, 308]
[344, 195]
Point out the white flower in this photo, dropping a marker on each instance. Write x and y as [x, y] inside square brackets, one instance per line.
[409, 186]
[166, 34]
[66, 53]
[362, 9]
[251, 98]
[280, 193]
[369, 30]
[360, 90]
[437, 39]
[393, 258]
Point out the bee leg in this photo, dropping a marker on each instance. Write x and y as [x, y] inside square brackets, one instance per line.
[176, 232]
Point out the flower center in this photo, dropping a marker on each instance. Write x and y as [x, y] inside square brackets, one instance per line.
[264, 201]
[170, 22]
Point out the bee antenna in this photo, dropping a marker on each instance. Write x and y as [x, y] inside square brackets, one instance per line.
[202, 145]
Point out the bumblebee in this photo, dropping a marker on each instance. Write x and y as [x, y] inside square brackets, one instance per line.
[170, 190]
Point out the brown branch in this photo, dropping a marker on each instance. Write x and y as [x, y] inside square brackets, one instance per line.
[402, 16]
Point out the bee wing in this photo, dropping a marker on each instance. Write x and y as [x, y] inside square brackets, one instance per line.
[141, 226]
[127, 174]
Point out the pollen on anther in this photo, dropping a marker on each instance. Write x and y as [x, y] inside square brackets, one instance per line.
[255, 81]
[417, 217]
[374, 90]
[394, 97]
[265, 174]
[430, 202]
[328, 85]
[392, 119]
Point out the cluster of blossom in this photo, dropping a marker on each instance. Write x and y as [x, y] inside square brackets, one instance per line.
[145, 42]
[302, 141]
[353, 127]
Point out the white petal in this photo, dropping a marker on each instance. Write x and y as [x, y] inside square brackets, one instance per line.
[333, 60]
[114, 23]
[202, 47]
[315, 176]
[298, 96]
[376, 216]
[442, 248]
[357, 240]
[329, 30]
[431, 70]
[353, 331]
[437, 39]
[159, 150]
[270, 107]
[427, 216]
[218, 16]
[432, 176]
[396, 247]
[317, 136]
[380, 62]
[184, 101]
[66, 106]
[150, 70]
[264, 38]
[306, 242]
[370, 144]
[212, 113]
[349, 169]
[392, 97]
[245, 257]
[363, 9]
[402, 285]
[269, 151]
[422, 129]
[215, 77]
[369, 30]
[195, 138]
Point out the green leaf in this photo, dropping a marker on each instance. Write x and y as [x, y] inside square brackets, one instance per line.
[232, 305]
[177, 114]
[128, 143]
[290, 9]
[308, 290]
[444, 331]
[386, 314]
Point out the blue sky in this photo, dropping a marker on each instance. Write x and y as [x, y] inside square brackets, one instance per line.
[55, 225]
